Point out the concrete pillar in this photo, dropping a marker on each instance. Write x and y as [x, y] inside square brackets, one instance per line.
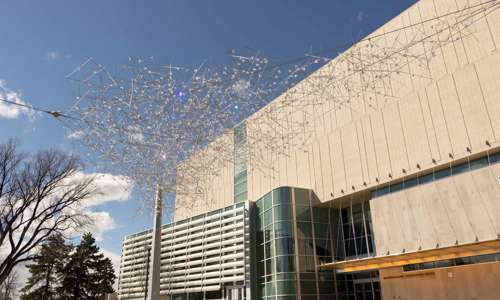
[154, 268]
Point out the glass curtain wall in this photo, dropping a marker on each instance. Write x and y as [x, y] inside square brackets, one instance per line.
[295, 236]
[287, 255]
[240, 163]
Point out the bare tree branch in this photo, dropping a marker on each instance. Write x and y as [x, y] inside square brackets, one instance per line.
[39, 197]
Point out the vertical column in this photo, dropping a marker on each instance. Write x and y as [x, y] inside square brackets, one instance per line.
[154, 278]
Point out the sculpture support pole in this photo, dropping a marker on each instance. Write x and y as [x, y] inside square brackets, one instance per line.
[154, 268]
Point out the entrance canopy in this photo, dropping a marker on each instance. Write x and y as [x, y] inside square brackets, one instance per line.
[428, 255]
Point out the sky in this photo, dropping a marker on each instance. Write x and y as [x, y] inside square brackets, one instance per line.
[42, 41]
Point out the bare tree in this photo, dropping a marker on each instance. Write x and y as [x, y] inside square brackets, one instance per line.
[40, 195]
[8, 289]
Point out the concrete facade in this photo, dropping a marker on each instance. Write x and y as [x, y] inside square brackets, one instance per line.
[413, 107]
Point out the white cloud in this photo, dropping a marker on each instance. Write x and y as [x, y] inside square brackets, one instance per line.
[102, 222]
[360, 16]
[108, 188]
[75, 135]
[11, 111]
[52, 55]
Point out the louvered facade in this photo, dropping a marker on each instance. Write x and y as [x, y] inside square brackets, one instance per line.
[205, 255]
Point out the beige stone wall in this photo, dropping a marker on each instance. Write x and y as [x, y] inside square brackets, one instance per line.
[205, 181]
[458, 208]
[423, 112]
[349, 125]
[478, 282]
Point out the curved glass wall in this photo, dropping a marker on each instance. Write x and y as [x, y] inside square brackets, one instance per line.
[287, 254]
[295, 236]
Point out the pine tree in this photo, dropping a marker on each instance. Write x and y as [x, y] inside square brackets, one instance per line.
[45, 271]
[88, 274]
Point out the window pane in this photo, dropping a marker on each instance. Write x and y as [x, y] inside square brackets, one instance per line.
[283, 229]
[284, 246]
[282, 212]
[304, 230]
[285, 287]
[443, 173]
[285, 264]
[459, 169]
[301, 197]
[268, 201]
[282, 196]
[425, 179]
[303, 213]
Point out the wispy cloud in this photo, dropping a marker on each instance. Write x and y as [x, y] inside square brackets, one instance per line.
[360, 16]
[52, 55]
[8, 110]
[75, 135]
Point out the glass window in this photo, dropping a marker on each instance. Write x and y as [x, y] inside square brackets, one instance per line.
[268, 201]
[396, 187]
[269, 266]
[269, 250]
[270, 290]
[320, 214]
[285, 264]
[304, 230]
[459, 169]
[410, 183]
[260, 205]
[284, 246]
[285, 276]
[301, 197]
[283, 229]
[268, 217]
[285, 287]
[241, 197]
[442, 173]
[320, 231]
[426, 179]
[268, 233]
[282, 212]
[282, 196]
[240, 187]
[303, 213]
[495, 158]
[479, 163]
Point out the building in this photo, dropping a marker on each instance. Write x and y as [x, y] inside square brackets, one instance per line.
[377, 177]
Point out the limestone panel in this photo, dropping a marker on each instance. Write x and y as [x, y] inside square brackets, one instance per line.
[430, 128]
[337, 155]
[478, 281]
[415, 132]
[443, 138]
[395, 139]
[488, 72]
[371, 157]
[461, 208]
[453, 115]
[381, 148]
[475, 113]
[351, 156]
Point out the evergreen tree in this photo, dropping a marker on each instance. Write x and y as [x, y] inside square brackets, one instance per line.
[88, 274]
[45, 271]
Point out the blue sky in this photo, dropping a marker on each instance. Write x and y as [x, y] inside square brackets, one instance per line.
[42, 41]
